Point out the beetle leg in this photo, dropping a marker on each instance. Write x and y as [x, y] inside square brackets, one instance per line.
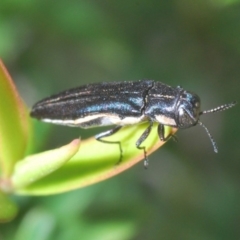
[141, 140]
[110, 133]
[161, 134]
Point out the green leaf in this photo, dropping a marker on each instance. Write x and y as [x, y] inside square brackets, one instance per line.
[37, 224]
[96, 161]
[8, 209]
[14, 125]
[37, 166]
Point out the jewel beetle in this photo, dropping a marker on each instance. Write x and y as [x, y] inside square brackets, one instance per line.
[125, 103]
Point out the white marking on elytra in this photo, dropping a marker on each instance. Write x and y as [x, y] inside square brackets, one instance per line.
[106, 119]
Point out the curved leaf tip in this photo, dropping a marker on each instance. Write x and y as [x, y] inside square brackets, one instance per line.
[37, 166]
[14, 123]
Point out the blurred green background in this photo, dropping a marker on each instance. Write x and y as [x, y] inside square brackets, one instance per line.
[188, 192]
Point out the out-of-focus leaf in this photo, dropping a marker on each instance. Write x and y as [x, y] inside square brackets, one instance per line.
[112, 229]
[8, 209]
[37, 224]
[37, 166]
[224, 3]
[14, 124]
[96, 161]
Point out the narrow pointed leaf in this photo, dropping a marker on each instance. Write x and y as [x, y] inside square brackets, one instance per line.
[14, 125]
[37, 166]
[96, 161]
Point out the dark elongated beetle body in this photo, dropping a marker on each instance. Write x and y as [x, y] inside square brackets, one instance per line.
[125, 103]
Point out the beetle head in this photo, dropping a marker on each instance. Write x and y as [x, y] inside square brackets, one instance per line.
[188, 109]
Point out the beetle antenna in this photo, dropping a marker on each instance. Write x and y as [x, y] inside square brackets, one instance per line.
[220, 108]
[213, 110]
[215, 148]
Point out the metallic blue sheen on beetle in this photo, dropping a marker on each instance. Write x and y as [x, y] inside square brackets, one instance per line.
[125, 103]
